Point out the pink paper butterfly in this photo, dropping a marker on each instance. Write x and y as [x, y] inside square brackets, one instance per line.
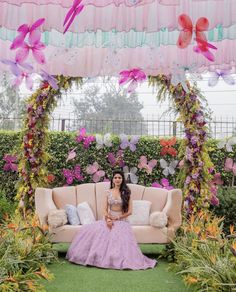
[217, 179]
[230, 165]
[71, 155]
[10, 162]
[93, 169]
[70, 175]
[133, 76]
[35, 45]
[203, 48]
[23, 30]
[72, 13]
[147, 166]
[116, 160]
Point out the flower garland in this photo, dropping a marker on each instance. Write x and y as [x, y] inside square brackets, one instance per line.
[196, 167]
[33, 157]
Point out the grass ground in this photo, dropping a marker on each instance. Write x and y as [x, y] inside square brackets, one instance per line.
[73, 278]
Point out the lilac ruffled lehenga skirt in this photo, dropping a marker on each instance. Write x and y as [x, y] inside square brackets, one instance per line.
[116, 248]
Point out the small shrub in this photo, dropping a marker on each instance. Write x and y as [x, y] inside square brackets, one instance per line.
[227, 207]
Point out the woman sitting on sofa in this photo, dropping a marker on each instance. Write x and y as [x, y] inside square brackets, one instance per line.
[110, 243]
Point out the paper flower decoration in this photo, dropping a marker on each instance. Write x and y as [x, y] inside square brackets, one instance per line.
[72, 13]
[224, 74]
[227, 143]
[73, 174]
[83, 137]
[230, 165]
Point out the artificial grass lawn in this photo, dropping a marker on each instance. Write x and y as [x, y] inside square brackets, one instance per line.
[73, 278]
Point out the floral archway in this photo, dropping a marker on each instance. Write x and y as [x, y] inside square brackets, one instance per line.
[163, 39]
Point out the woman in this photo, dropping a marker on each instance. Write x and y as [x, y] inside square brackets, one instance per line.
[110, 243]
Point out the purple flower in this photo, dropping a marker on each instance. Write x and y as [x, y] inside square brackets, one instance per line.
[194, 140]
[195, 175]
[187, 180]
[215, 201]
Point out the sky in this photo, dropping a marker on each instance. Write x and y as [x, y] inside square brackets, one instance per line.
[221, 101]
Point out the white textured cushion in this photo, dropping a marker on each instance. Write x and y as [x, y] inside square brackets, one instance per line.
[57, 218]
[72, 214]
[158, 219]
[140, 212]
[85, 213]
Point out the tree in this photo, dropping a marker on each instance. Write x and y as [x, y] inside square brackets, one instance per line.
[11, 106]
[109, 109]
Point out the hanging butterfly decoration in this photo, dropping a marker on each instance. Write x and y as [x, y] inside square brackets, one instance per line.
[128, 142]
[93, 169]
[116, 160]
[227, 143]
[230, 165]
[167, 147]
[10, 163]
[186, 35]
[72, 13]
[21, 71]
[103, 141]
[224, 74]
[147, 165]
[203, 48]
[165, 184]
[83, 137]
[73, 174]
[168, 167]
[179, 77]
[133, 77]
[24, 29]
[130, 174]
[52, 81]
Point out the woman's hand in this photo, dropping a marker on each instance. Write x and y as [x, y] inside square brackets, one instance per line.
[109, 223]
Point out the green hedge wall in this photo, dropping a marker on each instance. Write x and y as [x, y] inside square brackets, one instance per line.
[61, 142]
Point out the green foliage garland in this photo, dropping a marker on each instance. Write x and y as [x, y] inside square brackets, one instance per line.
[33, 155]
[195, 174]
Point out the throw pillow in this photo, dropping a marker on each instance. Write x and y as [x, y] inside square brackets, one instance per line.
[57, 218]
[72, 215]
[158, 219]
[85, 213]
[140, 212]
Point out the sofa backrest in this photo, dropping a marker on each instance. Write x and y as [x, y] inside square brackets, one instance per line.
[157, 196]
[64, 195]
[86, 193]
[95, 195]
[101, 193]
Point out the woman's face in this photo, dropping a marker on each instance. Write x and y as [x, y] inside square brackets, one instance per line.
[117, 179]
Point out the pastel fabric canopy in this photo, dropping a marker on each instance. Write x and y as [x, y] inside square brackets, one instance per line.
[113, 35]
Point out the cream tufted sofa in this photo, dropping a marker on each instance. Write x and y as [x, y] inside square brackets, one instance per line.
[162, 200]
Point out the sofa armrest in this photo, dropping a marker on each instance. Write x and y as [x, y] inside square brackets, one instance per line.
[43, 203]
[173, 209]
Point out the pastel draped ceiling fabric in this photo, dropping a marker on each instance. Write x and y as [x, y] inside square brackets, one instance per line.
[109, 36]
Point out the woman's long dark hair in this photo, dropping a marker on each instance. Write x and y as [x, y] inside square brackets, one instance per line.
[124, 190]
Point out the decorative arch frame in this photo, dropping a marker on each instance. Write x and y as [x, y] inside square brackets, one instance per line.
[196, 166]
